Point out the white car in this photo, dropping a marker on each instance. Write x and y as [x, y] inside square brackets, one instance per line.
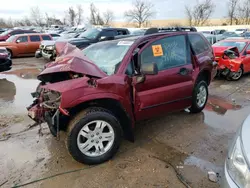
[240, 31]
[237, 165]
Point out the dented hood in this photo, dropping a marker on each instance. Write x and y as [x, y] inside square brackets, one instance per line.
[219, 50]
[71, 59]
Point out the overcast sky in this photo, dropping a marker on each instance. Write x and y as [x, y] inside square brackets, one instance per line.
[165, 9]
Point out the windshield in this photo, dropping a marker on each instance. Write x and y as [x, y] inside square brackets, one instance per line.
[11, 38]
[239, 45]
[68, 36]
[239, 29]
[90, 34]
[206, 32]
[229, 33]
[5, 32]
[108, 55]
[138, 32]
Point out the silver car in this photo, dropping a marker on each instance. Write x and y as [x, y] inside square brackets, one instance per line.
[237, 165]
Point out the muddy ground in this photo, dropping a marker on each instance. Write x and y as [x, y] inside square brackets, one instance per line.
[170, 149]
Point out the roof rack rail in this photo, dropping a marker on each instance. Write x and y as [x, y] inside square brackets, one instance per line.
[169, 29]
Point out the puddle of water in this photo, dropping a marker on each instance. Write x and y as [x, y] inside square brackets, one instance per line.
[204, 165]
[15, 93]
[26, 73]
[223, 114]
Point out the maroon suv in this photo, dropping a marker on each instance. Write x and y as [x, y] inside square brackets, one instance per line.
[6, 34]
[98, 94]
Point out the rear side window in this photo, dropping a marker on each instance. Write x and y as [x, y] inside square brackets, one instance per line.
[199, 45]
[122, 32]
[35, 38]
[46, 37]
[108, 33]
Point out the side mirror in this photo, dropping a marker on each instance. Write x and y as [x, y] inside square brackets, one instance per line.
[248, 52]
[149, 69]
[18, 41]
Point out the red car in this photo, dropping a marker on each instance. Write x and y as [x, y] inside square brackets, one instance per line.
[5, 35]
[99, 93]
[233, 57]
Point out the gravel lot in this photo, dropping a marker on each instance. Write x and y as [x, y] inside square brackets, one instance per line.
[168, 150]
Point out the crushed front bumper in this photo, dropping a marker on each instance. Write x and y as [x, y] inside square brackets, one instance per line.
[47, 55]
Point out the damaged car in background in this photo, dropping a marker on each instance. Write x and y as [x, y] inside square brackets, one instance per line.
[233, 57]
[96, 95]
[5, 60]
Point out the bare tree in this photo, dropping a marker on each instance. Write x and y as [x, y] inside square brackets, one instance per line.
[95, 17]
[36, 16]
[108, 17]
[71, 16]
[140, 13]
[200, 13]
[243, 13]
[232, 10]
[189, 15]
[79, 13]
[2, 22]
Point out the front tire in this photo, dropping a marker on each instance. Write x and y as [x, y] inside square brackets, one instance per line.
[200, 96]
[94, 136]
[237, 75]
[10, 55]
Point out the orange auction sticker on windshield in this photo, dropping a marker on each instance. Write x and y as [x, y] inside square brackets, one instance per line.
[157, 50]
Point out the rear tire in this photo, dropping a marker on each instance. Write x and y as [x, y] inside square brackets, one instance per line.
[200, 96]
[93, 136]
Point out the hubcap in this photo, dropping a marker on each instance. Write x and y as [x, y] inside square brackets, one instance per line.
[237, 75]
[95, 138]
[9, 54]
[201, 96]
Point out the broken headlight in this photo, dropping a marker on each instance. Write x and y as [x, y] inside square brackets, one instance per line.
[237, 166]
[51, 99]
[49, 48]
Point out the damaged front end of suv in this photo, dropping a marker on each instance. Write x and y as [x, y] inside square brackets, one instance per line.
[60, 81]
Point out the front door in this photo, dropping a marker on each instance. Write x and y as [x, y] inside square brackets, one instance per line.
[246, 61]
[171, 89]
[22, 45]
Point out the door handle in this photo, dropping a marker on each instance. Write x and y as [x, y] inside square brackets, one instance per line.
[184, 71]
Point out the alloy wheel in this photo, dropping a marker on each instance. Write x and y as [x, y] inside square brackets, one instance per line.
[95, 138]
[238, 74]
[201, 96]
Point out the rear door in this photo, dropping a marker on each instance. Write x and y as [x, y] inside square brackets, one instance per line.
[171, 89]
[34, 43]
[22, 45]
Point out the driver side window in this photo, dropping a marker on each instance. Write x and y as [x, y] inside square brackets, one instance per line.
[167, 53]
[22, 39]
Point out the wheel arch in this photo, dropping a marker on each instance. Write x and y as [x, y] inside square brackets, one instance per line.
[113, 106]
[205, 75]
